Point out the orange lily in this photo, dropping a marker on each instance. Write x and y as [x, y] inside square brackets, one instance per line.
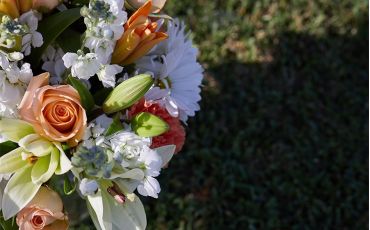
[9, 7]
[24, 5]
[139, 38]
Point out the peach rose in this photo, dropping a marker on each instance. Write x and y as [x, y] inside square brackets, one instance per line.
[55, 112]
[45, 211]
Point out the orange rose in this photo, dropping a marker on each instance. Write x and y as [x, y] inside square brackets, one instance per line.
[45, 211]
[55, 112]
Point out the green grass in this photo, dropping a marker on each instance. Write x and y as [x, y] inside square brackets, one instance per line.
[282, 138]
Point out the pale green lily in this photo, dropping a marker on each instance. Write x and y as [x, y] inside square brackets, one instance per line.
[108, 214]
[33, 163]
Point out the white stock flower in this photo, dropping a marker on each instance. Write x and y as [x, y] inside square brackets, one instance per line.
[53, 63]
[33, 38]
[127, 148]
[174, 65]
[104, 20]
[94, 133]
[13, 84]
[107, 75]
[82, 66]
[153, 164]
[133, 152]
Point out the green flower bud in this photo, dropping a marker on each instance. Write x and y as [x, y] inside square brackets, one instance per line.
[127, 93]
[148, 125]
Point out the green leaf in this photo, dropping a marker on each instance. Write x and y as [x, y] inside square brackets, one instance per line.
[69, 41]
[51, 27]
[68, 186]
[148, 125]
[80, 2]
[8, 224]
[86, 97]
[115, 126]
[101, 95]
[161, 16]
[7, 146]
[127, 93]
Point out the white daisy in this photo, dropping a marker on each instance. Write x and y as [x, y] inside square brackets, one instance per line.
[179, 75]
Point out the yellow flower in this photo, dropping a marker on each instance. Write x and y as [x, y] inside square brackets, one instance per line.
[139, 38]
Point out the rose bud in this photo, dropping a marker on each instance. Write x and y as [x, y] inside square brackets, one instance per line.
[139, 38]
[45, 211]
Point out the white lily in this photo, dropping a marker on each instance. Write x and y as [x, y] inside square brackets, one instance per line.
[32, 164]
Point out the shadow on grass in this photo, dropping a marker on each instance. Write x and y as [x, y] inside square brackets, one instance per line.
[277, 145]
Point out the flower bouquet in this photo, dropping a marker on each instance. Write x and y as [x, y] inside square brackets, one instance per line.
[94, 96]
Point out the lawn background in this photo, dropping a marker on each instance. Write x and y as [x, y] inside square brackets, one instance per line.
[282, 138]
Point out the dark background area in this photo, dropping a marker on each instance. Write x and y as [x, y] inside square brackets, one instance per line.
[282, 138]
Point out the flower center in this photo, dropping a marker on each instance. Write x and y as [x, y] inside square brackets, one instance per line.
[32, 159]
[165, 83]
[38, 222]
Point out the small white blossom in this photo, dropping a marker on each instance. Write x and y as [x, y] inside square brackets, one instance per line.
[94, 133]
[13, 84]
[53, 63]
[82, 66]
[134, 152]
[107, 75]
[153, 164]
[104, 20]
[33, 37]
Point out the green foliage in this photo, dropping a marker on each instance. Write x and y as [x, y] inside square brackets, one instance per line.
[87, 99]
[115, 126]
[7, 146]
[69, 186]
[8, 224]
[51, 28]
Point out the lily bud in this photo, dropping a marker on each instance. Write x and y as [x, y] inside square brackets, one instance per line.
[9, 7]
[127, 93]
[139, 38]
[157, 5]
[148, 125]
[45, 6]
